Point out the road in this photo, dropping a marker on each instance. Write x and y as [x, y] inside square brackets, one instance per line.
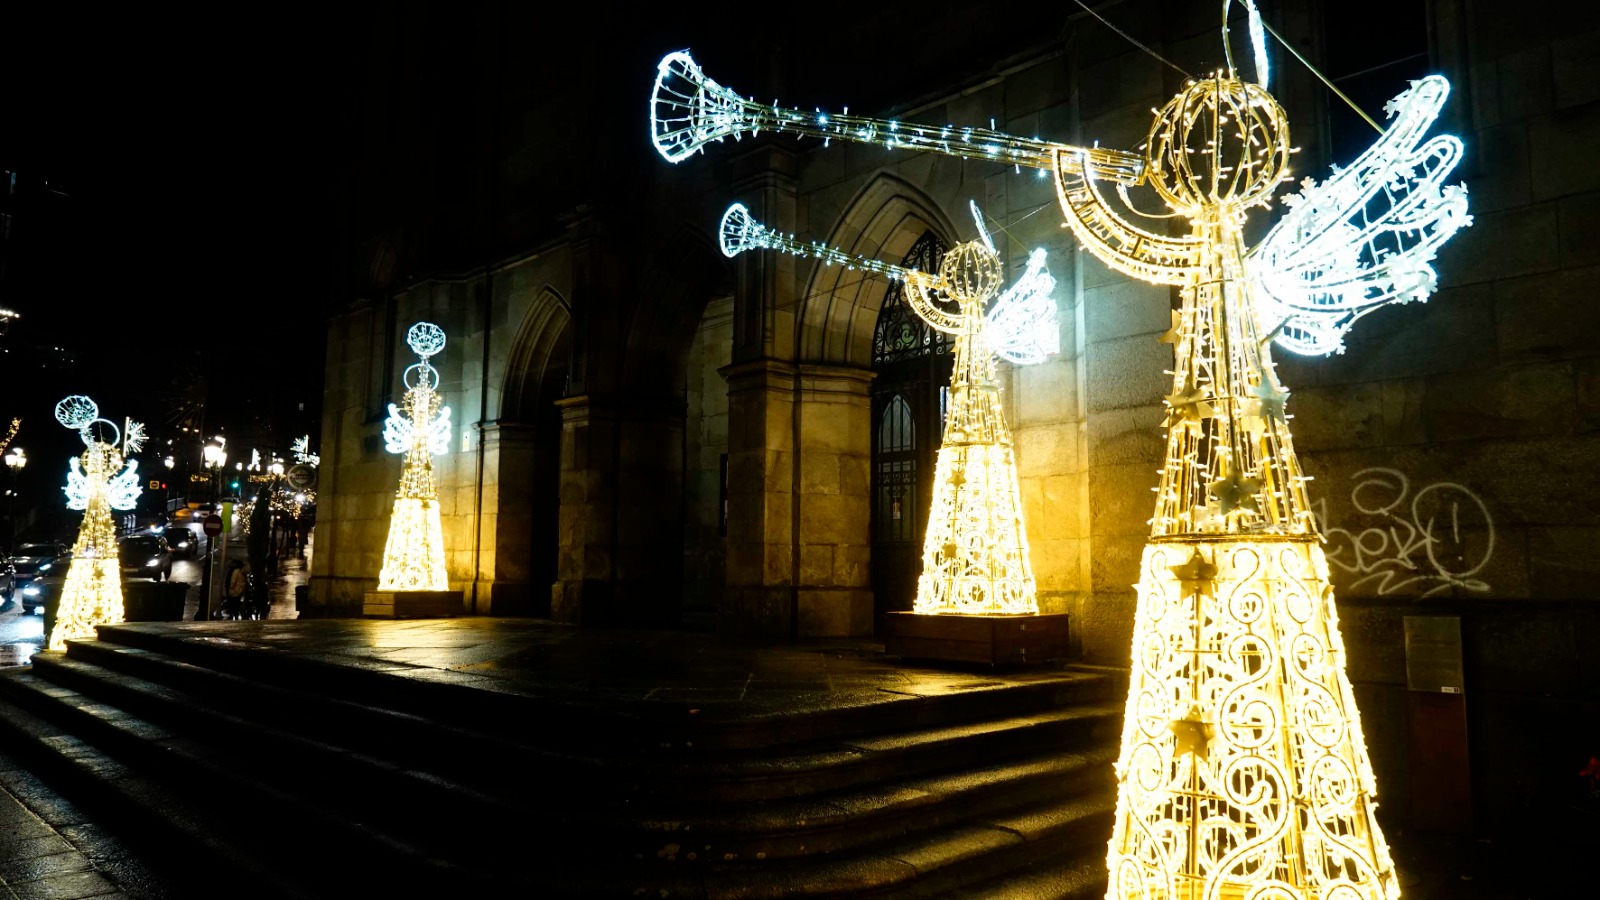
[22, 635]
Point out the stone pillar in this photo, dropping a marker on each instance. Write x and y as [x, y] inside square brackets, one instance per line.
[508, 524]
[621, 520]
[799, 543]
[835, 534]
[759, 596]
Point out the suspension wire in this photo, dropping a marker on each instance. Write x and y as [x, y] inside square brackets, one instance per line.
[1130, 40]
[1331, 86]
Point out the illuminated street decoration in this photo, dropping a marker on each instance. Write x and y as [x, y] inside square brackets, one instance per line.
[413, 557]
[689, 110]
[301, 448]
[975, 555]
[97, 483]
[1243, 771]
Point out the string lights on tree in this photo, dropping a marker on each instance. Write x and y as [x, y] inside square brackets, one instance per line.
[975, 553]
[413, 557]
[1243, 771]
[98, 481]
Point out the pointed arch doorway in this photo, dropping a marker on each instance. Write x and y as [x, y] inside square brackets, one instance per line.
[912, 365]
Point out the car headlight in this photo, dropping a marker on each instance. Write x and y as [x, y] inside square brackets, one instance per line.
[156, 561]
[31, 590]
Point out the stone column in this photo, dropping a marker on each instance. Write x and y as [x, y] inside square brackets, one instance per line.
[758, 597]
[834, 488]
[799, 543]
[621, 521]
[508, 522]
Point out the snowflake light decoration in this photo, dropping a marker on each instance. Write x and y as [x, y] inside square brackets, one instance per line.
[301, 448]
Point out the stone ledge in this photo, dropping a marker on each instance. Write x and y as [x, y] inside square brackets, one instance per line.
[994, 640]
[411, 604]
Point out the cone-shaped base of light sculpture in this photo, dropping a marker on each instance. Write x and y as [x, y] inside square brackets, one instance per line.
[413, 557]
[1243, 771]
[975, 557]
[91, 595]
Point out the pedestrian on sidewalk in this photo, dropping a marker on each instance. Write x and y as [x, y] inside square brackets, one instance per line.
[233, 590]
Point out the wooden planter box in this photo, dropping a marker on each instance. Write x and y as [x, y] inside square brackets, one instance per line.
[995, 640]
[411, 604]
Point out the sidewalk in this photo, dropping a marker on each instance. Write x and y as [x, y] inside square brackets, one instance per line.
[292, 572]
[50, 850]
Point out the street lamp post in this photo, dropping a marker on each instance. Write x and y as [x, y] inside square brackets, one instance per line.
[15, 460]
[214, 458]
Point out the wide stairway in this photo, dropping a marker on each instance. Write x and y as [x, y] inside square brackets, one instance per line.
[265, 773]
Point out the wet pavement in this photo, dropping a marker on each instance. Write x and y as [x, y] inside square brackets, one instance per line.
[50, 850]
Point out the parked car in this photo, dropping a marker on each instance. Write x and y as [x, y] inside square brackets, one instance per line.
[183, 541]
[34, 594]
[145, 556]
[29, 561]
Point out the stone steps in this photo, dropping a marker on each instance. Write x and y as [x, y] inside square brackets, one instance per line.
[424, 794]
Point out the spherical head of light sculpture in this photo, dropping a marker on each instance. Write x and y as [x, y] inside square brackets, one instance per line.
[1221, 143]
[970, 273]
[76, 412]
[426, 339]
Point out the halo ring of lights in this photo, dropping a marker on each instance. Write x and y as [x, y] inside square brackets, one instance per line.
[426, 339]
[420, 375]
[89, 429]
[77, 411]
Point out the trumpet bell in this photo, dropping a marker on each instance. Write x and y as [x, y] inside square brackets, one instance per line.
[738, 231]
[689, 110]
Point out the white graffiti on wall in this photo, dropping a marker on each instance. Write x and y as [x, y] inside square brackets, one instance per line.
[1439, 540]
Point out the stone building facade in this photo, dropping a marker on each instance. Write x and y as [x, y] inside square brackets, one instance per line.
[650, 434]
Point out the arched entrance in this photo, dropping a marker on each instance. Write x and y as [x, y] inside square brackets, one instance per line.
[524, 450]
[911, 363]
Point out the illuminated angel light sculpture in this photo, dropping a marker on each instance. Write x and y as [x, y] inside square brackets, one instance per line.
[975, 555]
[1243, 771]
[98, 481]
[413, 557]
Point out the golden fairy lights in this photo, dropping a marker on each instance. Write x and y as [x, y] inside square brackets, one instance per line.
[1243, 771]
[97, 483]
[975, 552]
[413, 556]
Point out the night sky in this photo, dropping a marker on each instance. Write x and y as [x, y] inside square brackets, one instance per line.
[174, 213]
[178, 174]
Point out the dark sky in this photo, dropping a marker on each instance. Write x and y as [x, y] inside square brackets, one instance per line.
[192, 156]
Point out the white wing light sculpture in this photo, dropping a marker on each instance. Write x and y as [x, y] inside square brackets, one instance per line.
[1243, 770]
[413, 556]
[975, 555]
[98, 481]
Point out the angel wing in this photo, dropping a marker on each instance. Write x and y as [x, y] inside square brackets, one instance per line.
[396, 431]
[1021, 326]
[77, 488]
[123, 491]
[1366, 236]
[439, 432]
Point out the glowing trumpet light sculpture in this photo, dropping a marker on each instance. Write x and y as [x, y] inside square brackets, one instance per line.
[97, 482]
[975, 555]
[413, 557]
[1243, 773]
